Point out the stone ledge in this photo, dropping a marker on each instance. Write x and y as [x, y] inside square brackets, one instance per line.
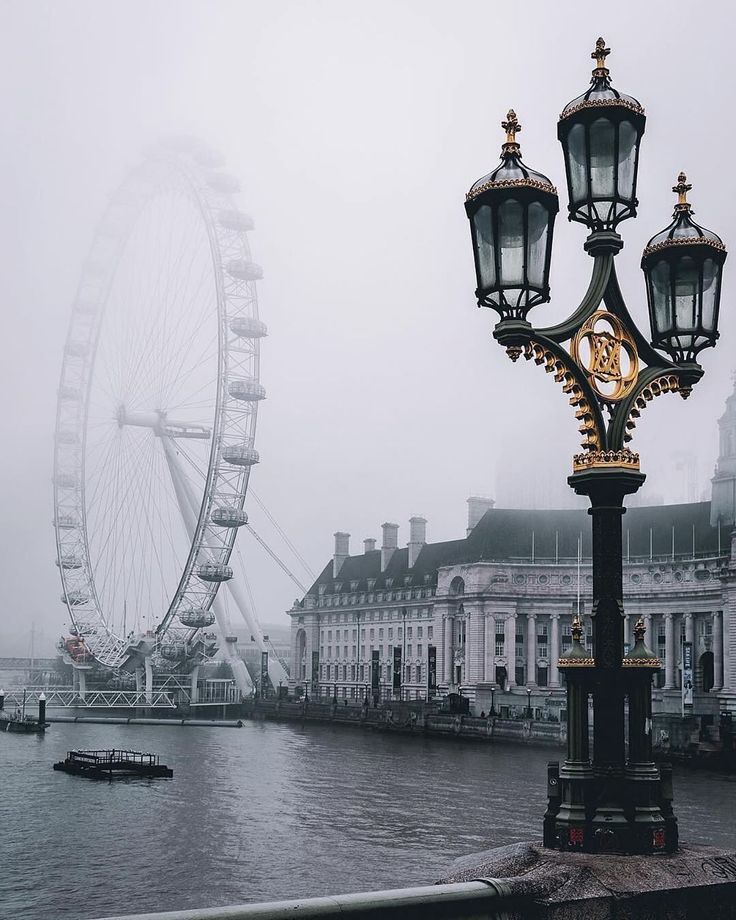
[584, 886]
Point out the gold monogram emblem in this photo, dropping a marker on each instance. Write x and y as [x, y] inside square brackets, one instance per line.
[607, 354]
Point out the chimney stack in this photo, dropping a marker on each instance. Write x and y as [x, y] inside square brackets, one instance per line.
[369, 544]
[342, 551]
[390, 543]
[417, 538]
[477, 507]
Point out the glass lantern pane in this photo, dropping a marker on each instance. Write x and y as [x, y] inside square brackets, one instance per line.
[577, 163]
[661, 297]
[710, 287]
[601, 158]
[626, 159]
[486, 260]
[687, 277]
[511, 242]
[538, 218]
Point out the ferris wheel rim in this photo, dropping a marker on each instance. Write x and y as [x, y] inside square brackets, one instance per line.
[88, 615]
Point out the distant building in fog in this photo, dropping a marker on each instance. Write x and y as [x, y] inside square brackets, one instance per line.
[494, 608]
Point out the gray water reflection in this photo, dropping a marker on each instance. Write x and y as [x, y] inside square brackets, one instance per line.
[270, 811]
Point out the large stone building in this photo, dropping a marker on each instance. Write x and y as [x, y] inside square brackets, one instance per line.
[490, 614]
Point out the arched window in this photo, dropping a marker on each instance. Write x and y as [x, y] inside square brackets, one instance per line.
[457, 585]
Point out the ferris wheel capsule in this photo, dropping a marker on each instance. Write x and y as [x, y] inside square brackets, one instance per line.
[194, 618]
[248, 327]
[66, 521]
[73, 394]
[240, 456]
[75, 598]
[236, 220]
[174, 651]
[223, 182]
[67, 436]
[246, 390]
[229, 517]
[77, 349]
[66, 480]
[69, 561]
[212, 571]
[244, 270]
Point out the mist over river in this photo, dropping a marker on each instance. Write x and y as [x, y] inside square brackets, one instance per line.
[271, 811]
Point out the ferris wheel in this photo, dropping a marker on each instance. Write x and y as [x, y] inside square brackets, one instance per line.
[156, 415]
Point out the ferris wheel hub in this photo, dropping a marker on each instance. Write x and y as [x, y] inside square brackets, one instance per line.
[160, 423]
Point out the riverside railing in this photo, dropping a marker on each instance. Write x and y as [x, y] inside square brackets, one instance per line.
[489, 899]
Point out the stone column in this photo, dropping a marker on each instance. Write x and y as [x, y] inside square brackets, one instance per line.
[554, 649]
[531, 650]
[449, 644]
[669, 656]
[717, 650]
[627, 631]
[489, 670]
[649, 637]
[509, 649]
[474, 645]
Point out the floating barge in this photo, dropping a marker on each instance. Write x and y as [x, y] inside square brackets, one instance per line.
[109, 764]
[20, 723]
[24, 725]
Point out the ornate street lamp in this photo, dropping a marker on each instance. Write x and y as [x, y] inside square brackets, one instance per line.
[682, 266]
[512, 215]
[609, 372]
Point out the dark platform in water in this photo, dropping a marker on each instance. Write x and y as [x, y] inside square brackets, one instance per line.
[25, 725]
[109, 764]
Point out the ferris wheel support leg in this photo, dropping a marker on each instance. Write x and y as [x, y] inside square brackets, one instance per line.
[193, 679]
[189, 510]
[149, 680]
[276, 671]
[81, 684]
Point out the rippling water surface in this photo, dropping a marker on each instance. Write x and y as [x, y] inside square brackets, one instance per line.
[270, 811]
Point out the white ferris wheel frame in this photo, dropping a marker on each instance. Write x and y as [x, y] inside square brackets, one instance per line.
[195, 171]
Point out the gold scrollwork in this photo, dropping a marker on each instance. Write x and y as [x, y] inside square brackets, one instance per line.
[667, 383]
[605, 350]
[585, 414]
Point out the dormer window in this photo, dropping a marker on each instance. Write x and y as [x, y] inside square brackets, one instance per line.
[322, 589]
[371, 583]
[338, 587]
[353, 585]
[389, 582]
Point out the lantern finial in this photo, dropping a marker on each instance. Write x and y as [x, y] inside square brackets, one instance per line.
[681, 190]
[640, 630]
[577, 628]
[599, 56]
[511, 126]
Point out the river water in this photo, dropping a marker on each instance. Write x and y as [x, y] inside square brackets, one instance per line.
[270, 811]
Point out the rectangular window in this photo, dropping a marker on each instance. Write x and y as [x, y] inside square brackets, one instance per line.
[419, 649]
[420, 632]
[362, 634]
[380, 633]
[419, 674]
[352, 672]
[430, 632]
[408, 650]
[372, 634]
[408, 674]
[329, 635]
[408, 632]
[400, 631]
[345, 651]
[329, 651]
[355, 634]
[362, 651]
[390, 632]
[354, 651]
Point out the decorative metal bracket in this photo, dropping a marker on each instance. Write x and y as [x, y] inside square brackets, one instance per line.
[608, 367]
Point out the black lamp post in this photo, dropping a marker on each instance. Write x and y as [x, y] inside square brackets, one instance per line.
[528, 703]
[609, 372]
[493, 694]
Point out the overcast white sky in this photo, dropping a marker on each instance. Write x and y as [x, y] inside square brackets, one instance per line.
[356, 129]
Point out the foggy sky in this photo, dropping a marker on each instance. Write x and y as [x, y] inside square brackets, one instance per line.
[355, 130]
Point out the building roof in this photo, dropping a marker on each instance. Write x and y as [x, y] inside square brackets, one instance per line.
[512, 535]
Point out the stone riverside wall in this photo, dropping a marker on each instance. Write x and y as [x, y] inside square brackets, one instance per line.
[406, 719]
